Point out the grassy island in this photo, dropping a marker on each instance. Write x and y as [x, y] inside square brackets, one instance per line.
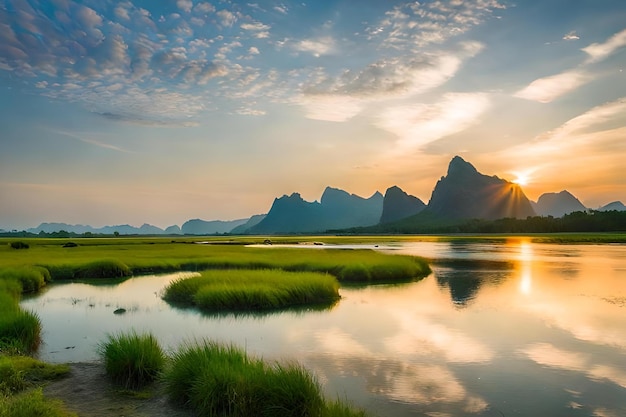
[253, 290]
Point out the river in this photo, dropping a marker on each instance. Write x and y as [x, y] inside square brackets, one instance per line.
[500, 328]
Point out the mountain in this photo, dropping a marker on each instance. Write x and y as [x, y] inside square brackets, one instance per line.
[465, 193]
[173, 230]
[337, 209]
[557, 204]
[615, 205]
[252, 221]
[397, 205]
[203, 227]
[124, 229]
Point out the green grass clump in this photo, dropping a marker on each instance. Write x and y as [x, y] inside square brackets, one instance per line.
[216, 380]
[20, 330]
[131, 359]
[32, 403]
[20, 372]
[213, 379]
[253, 290]
[19, 245]
[31, 278]
[110, 268]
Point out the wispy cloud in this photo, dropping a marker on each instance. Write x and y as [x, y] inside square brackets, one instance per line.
[418, 124]
[547, 89]
[599, 51]
[592, 120]
[84, 137]
[342, 97]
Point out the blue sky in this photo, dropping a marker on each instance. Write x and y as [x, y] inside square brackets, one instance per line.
[161, 111]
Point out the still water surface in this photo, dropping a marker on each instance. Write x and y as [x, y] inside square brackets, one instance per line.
[498, 329]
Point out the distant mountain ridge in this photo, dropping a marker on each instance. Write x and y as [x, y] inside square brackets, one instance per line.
[557, 204]
[615, 205]
[123, 229]
[213, 227]
[462, 194]
[337, 209]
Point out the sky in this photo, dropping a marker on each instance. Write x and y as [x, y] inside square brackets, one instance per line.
[146, 111]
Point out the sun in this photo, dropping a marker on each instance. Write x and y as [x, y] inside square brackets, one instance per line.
[521, 178]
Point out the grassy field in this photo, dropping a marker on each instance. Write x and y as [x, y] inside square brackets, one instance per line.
[94, 258]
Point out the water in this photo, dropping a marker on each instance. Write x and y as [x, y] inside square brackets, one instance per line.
[499, 329]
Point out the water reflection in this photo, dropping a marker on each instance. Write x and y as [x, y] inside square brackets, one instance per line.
[508, 328]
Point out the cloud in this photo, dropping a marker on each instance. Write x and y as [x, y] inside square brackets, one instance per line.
[419, 24]
[571, 36]
[418, 124]
[184, 5]
[599, 51]
[397, 77]
[282, 9]
[316, 46]
[341, 98]
[82, 137]
[227, 18]
[204, 7]
[594, 118]
[332, 108]
[547, 89]
[256, 26]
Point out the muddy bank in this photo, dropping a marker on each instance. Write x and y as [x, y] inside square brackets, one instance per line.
[88, 392]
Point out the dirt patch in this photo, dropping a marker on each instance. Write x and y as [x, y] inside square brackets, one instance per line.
[88, 392]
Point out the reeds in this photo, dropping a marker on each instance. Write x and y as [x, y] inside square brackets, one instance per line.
[218, 380]
[253, 290]
[132, 360]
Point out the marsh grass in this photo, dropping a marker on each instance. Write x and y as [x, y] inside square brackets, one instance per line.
[218, 380]
[132, 360]
[143, 256]
[30, 404]
[21, 330]
[256, 290]
[19, 372]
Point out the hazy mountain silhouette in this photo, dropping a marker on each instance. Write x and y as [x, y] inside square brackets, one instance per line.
[252, 221]
[397, 205]
[122, 229]
[337, 209]
[465, 193]
[213, 227]
[615, 205]
[557, 204]
[173, 230]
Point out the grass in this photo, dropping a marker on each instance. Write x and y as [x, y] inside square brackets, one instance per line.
[30, 404]
[218, 380]
[253, 290]
[20, 330]
[19, 372]
[132, 360]
[123, 257]
[20, 395]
